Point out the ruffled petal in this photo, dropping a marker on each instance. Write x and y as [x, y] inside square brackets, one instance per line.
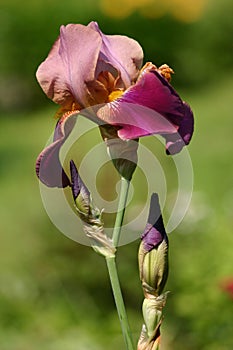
[125, 54]
[48, 166]
[71, 64]
[152, 90]
[151, 106]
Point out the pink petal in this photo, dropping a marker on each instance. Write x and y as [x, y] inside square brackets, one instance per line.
[124, 53]
[48, 166]
[70, 64]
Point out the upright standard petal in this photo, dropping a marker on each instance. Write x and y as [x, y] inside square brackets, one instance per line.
[70, 65]
[48, 166]
[125, 54]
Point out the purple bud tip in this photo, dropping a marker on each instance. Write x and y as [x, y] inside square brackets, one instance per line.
[75, 180]
[154, 232]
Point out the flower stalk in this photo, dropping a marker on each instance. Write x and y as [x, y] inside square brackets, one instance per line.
[121, 211]
[100, 242]
[112, 268]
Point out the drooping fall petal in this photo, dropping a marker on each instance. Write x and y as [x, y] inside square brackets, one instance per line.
[153, 91]
[176, 142]
[151, 106]
[48, 166]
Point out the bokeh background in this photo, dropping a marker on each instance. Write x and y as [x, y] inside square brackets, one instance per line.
[54, 293]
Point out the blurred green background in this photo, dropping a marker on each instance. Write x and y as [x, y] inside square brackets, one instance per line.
[54, 293]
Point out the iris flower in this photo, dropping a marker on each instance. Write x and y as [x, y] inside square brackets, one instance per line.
[101, 77]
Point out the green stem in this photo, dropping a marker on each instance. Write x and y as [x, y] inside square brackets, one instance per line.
[112, 269]
[121, 210]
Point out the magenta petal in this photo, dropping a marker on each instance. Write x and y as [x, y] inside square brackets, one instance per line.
[134, 120]
[187, 125]
[153, 91]
[124, 53]
[48, 166]
[70, 64]
[175, 142]
[151, 106]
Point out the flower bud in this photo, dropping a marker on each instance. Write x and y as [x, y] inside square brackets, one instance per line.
[80, 192]
[153, 252]
[90, 215]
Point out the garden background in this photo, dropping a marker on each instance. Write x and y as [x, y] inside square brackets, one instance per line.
[54, 293]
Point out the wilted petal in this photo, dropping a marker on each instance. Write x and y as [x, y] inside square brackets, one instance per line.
[70, 65]
[48, 165]
[124, 53]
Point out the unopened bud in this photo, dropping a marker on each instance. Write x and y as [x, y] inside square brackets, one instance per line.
[90, 215]
[80, 192]
[153, 252]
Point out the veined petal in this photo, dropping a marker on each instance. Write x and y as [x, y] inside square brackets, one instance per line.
[48, 166]
[71, 64]
[152, 90]
[151, 106]
[134, 120]
[124, 53]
